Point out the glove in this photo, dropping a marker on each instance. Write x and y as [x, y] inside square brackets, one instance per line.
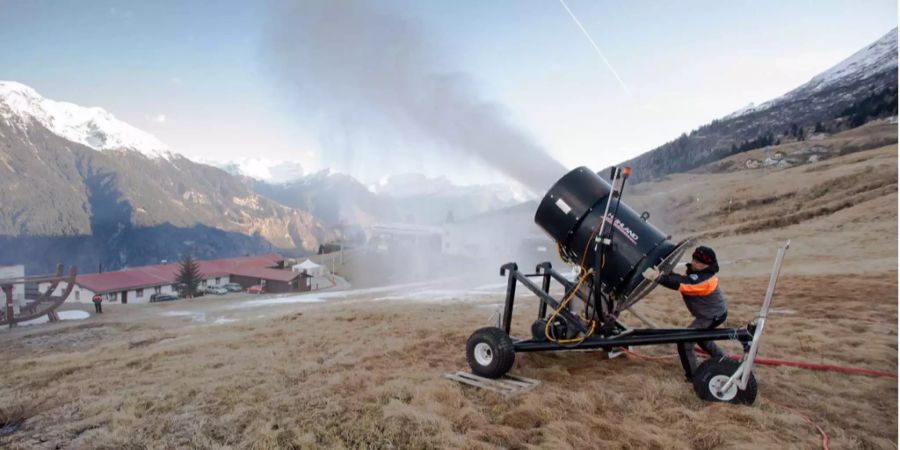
[652, 273]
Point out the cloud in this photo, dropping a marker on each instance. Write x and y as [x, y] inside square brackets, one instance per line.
[159, 118]
[176, 81]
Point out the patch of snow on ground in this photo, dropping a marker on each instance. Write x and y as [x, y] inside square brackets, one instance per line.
[443, 295]
[315, 297]
[279, 301]
[63, 315]
[194, 315]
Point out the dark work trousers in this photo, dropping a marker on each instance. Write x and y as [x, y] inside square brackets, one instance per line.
[688, 358]
[98, 307]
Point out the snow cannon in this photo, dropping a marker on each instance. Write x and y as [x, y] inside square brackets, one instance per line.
[610, 245]
[591, 224]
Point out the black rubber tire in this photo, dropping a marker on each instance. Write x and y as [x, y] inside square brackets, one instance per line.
[502, 352]
[725, 367]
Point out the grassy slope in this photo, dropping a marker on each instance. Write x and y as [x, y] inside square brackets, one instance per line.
[353, 373]
[356, 375]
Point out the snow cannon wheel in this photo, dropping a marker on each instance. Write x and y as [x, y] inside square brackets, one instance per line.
[713, 374]
[490, 352]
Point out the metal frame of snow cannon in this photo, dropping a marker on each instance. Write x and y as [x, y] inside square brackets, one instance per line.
[491, 351]
[741, 377]
[607, 336]
[720, 380]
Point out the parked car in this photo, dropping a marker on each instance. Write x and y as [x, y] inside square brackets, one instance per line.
[256, 289]
[216, 290]
[233, 287]
[180, 288]
[200, 293]
[156, 298]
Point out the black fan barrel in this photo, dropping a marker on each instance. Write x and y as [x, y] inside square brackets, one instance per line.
[571, 213]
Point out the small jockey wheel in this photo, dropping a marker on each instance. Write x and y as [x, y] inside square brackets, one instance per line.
[713, 374]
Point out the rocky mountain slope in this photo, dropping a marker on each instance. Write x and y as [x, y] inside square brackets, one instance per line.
[858, 89]
[74, 176]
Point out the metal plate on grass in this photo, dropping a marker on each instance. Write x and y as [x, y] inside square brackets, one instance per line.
[507, 386]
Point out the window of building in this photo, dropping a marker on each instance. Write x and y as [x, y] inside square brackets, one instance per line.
[157, 289]
[217, 280]
[77, 295]
[139, 293]
[203, 283]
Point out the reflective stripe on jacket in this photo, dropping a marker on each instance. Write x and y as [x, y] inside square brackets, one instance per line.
[700, 291]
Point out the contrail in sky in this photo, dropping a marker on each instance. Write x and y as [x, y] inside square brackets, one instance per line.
[596, 47]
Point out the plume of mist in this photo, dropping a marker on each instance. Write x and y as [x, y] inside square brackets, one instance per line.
[361, 72]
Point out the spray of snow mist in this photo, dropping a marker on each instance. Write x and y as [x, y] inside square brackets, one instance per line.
[363, 71]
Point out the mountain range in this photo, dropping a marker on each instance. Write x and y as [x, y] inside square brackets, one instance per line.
[102, 192]
[859, 88]
[82, 187]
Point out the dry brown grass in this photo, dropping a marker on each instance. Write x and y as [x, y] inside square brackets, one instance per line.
[862, 166]
[360, 375]
[356, 373]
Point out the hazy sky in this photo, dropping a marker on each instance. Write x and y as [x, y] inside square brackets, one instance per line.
[196, 74]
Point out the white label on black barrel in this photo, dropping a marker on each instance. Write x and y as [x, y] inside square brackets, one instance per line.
[561, 204]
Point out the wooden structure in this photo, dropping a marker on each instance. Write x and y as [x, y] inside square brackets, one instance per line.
[45, 304]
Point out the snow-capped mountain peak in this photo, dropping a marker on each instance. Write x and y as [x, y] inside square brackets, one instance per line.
[875, 58]
[263, 169]
[90, 126]
[745, 110]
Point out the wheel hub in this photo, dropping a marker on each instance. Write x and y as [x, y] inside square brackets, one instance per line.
[716, 384]
[483, 354]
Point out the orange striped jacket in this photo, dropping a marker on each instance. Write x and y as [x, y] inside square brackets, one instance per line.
[700, 291]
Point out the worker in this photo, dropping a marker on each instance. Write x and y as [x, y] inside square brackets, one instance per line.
[98, 307]
[699, 288]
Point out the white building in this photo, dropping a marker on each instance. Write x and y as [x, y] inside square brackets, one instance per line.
[10, 272]
[310, 268]
[138, 284]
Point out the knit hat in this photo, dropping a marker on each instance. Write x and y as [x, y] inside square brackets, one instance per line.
[705, 255]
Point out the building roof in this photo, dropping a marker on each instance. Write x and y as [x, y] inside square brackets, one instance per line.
[308, 264]
[266, 273]
[155, 275]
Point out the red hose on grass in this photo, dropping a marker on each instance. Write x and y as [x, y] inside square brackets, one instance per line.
[779, 362]
[822, 367]
[787, 363]
[807, 420]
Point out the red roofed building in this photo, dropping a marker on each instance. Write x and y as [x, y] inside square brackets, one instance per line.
[137, 284]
